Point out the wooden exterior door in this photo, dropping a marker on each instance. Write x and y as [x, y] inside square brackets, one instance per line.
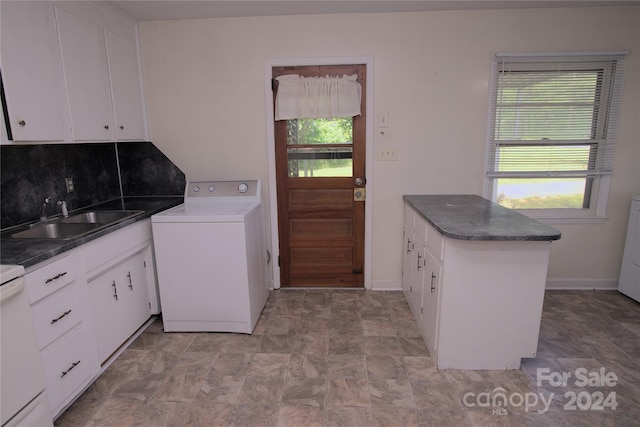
[320, 184]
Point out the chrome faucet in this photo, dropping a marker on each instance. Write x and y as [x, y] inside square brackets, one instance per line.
[43, 210]
[63, 208]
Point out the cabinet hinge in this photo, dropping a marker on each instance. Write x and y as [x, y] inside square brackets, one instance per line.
[278, 260]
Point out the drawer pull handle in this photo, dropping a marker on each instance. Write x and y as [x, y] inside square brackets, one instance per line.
[433, 278]
[130, 282]
[419, 266]
[63, 315]
[73, 365]
[56, 277]
[115, 290]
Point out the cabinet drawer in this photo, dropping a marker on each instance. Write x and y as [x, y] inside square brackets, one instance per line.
[57, 315]
[50, 278]
[66, 368]
[102, 253]
[435, 241]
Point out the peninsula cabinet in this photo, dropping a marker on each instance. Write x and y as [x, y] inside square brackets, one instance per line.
[474, 274]
[102, 77]
[422, 273]
[32, 72]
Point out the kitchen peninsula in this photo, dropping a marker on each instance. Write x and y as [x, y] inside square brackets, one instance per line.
[474, 275]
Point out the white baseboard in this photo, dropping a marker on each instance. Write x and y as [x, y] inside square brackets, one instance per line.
[552, 284]
[566, 284]
[386, 285]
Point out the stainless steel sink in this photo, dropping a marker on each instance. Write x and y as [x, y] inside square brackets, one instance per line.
[73, 226]
[55, 230]
[98, 217]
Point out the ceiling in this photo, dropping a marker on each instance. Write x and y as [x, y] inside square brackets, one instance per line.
[158, 10]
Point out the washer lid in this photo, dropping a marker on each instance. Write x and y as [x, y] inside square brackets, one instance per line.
[230, 211]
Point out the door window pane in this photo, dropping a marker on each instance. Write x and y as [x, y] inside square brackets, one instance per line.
[320, 147]
[320, 162]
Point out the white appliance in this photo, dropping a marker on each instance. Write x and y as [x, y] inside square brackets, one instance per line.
[211, 258]
[629, 283]
[22, 398]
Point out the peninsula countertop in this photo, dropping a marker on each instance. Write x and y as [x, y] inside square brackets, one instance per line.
[471, 217]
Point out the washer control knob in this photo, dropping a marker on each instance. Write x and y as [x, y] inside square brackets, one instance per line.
[212, 188]
[196, 189]
[242, 188]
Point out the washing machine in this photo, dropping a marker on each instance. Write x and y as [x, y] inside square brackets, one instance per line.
[211, 258]
[629, 283]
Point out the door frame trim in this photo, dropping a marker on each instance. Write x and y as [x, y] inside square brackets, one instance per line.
[271, 155]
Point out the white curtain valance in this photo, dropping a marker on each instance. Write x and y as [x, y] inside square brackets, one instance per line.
[317, 97]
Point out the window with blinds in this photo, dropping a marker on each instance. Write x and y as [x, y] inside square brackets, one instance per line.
[552, 128]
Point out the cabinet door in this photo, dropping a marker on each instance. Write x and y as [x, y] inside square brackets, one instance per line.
[417, 277]
[431, 292]
[119, 303]
[122, 58]
[85, 71]
[105, 293]
[135, 296]
[407, 261]
[31, 72]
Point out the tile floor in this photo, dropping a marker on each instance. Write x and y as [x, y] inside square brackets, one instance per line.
[355, 358]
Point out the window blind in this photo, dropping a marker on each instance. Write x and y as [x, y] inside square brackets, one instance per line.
[555, 115]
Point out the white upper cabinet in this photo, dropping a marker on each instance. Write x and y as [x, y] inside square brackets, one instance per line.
[86, 77]
[102, 76]
[32, 73]
[125, 87]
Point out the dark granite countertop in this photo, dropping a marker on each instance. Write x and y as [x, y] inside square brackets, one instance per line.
[471, 217]
[28, 252]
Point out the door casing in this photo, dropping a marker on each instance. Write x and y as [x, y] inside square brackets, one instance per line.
[271, 156]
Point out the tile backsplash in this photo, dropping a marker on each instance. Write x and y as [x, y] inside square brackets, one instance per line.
[100, 172]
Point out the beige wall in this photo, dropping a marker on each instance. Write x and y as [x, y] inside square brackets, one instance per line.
[204, 82]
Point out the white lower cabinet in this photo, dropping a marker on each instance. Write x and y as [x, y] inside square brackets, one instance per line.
[59, 312]
[421, 272]
[430, 298]
[120, 303]
[79, 321]
[407, 259]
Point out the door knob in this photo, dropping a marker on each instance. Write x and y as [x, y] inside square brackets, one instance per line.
[358, 181]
